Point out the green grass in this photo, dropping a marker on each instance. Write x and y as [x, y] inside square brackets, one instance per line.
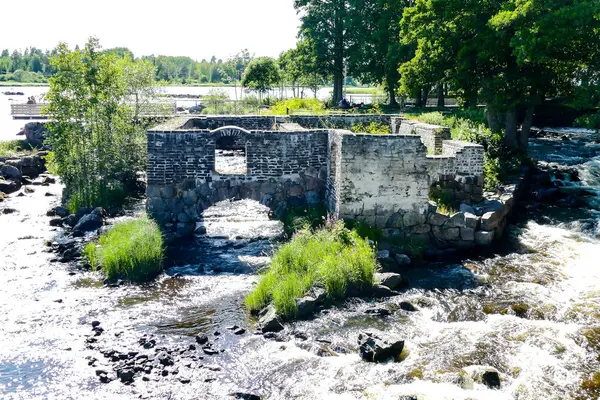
[333, 257]
[364, 90]
[13, 147]
[297, 105]
[131, 250]
[374, 128]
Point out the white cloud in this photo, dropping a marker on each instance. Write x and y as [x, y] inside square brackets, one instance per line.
[195, 28]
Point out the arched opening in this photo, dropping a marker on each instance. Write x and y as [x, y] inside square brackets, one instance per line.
[230, 153]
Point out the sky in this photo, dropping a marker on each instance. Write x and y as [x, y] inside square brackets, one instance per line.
[194, 28]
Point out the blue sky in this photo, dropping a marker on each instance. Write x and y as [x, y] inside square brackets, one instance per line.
[195, 28]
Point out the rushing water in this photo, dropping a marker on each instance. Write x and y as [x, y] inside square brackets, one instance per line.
[532, 311]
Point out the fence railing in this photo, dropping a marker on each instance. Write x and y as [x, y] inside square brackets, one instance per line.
[32, 110]
[145, 109]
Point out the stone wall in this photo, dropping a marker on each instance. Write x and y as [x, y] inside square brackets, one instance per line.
[381, 180]
[271, 122]
[432, 136]
[283, 169]
[379, 176]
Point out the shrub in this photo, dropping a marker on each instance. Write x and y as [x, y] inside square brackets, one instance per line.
[333, 257]
[131, 250]
[433, 118]
[291, 106]
[374, 128]
[298, 218]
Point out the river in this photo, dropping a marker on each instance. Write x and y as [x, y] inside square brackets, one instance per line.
[530, 309]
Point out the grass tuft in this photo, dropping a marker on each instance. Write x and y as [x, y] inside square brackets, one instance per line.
[131, 250]
[332, 257]
[13, 147]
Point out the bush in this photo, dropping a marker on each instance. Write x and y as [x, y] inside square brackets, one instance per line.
[291, 106]
[433, 118]
[333, 257]
[131, 250]
[12, 147]
[374, 128]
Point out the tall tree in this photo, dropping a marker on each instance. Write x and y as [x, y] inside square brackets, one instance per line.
[325, 23]
[510, 53]
[375, 53]
[261, 75]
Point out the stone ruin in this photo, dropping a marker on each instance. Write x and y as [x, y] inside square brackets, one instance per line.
[289, 161]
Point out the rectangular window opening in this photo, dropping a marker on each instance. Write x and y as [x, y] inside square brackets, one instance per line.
[230, 156]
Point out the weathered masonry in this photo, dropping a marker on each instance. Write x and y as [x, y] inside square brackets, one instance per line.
[288, 161]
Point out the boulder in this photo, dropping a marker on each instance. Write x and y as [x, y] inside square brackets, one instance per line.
[413, 218]
[10, 172]
[465, 208]
[467, 234]
[379, 311]
[165, 358]
[484, 238]
[126, 375]
[383, 254]
[456, 221]
[35, 132]
[305, 307]
[438, 219]
[447, 233]
[402, 259]
[486, 375]
[70, 220]
[407, 306]
[382, 291]
[489, 221]
[269, 322]
[471, 220]
[8, 187]
[375, 349]
[388, 279]
[88, 223]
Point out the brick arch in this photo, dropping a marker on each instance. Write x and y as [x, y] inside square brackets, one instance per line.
[230, 138]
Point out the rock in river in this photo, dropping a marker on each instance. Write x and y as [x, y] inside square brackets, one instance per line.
[375, 349]
[88, 223]
[269, 322]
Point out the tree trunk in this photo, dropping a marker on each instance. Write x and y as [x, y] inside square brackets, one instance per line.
[495, 119]
[441, 103]
[426, 91]
[418, 99]
[526, 128]
[391, 92]
[511, 135]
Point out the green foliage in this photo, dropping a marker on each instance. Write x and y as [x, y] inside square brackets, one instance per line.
[505, 54]
[374, 128]
[294, 106]
[445, 203]
[261, 75]
[365, 231]
[97, 141]
[589, 121]
[333, 257]
[433, 118]
[12, 147]
[299, 218]
[131, 250]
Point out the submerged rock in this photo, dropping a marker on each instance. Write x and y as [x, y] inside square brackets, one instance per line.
[375, 349]
[489, 376]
